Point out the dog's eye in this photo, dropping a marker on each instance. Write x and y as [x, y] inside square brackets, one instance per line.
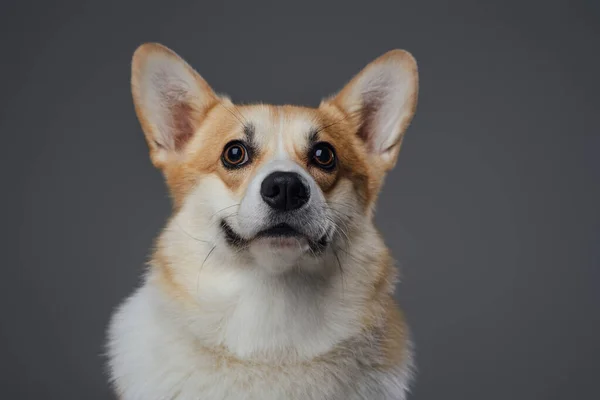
[323, 156]
[234, 155]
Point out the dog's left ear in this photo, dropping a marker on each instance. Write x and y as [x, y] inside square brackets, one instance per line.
[381, 101]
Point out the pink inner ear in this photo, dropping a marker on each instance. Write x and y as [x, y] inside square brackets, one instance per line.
[183, 128]
[372, 102]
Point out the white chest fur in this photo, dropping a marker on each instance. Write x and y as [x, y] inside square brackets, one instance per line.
[156, 353]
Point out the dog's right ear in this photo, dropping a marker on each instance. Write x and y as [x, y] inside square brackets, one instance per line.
[170, 98]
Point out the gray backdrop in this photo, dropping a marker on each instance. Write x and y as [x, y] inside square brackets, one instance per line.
[492, 211]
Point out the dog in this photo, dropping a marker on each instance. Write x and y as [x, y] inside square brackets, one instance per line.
[270, 280]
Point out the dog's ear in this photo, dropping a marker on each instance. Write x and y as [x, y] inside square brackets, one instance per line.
[381, 101]
[170, 98]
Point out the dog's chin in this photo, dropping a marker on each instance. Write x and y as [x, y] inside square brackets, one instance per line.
[278, 253]
[281, 244]
[276, 248]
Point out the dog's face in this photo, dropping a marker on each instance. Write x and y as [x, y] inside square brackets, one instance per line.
[274, 184]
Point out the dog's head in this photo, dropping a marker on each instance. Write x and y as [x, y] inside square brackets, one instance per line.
[276, 184]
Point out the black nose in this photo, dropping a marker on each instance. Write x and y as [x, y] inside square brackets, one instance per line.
[284, 191]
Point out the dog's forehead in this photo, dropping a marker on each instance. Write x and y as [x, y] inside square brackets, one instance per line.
[282, 129]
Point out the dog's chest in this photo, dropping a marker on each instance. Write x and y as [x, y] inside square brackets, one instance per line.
[153, 360]
[213, 377]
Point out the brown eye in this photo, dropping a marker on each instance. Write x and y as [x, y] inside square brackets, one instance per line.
[323, 156]
[234, 155]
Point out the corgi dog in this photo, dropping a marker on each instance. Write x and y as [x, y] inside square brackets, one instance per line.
[270, 280]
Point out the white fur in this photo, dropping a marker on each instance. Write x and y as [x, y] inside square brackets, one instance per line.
[155, 357]
[272, 332]
[249, 333]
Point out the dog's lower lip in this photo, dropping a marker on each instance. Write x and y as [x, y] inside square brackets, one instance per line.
[279, 230]
[276, 231]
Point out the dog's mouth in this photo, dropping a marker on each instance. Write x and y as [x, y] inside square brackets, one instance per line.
[279, 230]
[282, 235]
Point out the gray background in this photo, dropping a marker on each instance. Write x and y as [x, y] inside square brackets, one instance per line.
[492, 211]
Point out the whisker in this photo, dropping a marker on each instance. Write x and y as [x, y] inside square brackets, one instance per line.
[223, 209]
[362, 262]
[244, 122]
[338, 228]
[311, 250]
[200, 269]
[345, 204]
[343, 218]
[341, 272]
[188, 235]
[336, 122]
[343, 207]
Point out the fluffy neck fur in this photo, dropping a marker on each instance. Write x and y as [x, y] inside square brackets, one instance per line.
[225, 304]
